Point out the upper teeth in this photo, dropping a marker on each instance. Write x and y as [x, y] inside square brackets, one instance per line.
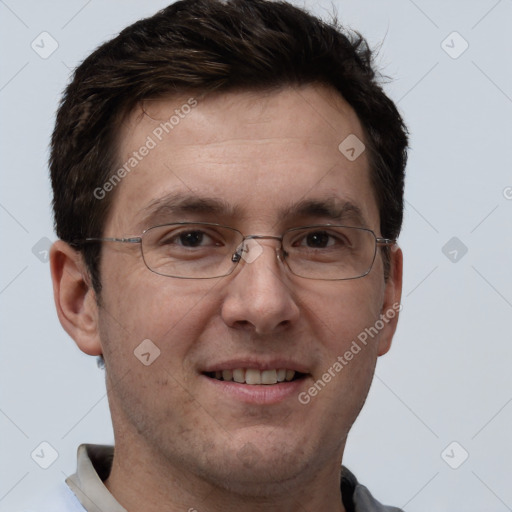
[254, 376]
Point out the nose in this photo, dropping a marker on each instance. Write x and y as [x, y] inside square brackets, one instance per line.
[259, 296]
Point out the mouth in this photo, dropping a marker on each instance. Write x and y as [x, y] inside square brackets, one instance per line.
[255, 377]
[256, 381]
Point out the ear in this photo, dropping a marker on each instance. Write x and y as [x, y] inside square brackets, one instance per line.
[392, 297]
[75, 298]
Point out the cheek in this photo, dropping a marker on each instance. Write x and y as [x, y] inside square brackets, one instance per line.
[344, 309]
[140, 305]
[151, 326]
[341, 318]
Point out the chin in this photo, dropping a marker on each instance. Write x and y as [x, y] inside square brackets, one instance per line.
[257, 467]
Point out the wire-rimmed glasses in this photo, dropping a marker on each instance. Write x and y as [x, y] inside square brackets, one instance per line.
[203, 250]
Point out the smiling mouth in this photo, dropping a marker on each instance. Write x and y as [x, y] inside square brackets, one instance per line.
[256, 377]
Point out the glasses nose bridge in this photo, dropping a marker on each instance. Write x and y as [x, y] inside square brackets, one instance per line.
[268, 237]
[263, 237]
[238, 254]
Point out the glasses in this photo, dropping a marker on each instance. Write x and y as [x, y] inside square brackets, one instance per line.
[190, 250]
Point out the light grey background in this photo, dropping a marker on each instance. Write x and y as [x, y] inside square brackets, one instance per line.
[447, 377]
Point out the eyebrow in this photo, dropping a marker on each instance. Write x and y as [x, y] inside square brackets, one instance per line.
[332, 208]
[180, 204]
[175, 204]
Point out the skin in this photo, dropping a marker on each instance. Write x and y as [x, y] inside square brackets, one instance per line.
[179, 443]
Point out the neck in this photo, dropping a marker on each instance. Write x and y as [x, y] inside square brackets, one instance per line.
[142, 480]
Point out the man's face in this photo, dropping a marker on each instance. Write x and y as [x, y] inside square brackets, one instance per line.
[259, 155]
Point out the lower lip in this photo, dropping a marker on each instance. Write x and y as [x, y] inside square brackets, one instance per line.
[260, 394]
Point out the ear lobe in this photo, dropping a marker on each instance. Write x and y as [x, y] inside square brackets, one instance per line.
[74, 297]
[392, 296]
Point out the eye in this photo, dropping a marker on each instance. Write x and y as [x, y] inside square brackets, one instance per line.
[191, 238]
[320, 239]
[195, 238]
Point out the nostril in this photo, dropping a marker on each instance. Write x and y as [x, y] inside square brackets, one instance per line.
[244, 324]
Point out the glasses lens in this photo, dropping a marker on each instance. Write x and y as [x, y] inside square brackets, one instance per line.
[189, 250]
[329, 252]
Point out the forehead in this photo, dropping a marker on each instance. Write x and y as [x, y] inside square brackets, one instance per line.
[255, 155]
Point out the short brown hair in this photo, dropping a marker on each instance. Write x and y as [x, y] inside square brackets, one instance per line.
[201, 46]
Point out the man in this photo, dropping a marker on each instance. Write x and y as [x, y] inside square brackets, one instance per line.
[228, 190]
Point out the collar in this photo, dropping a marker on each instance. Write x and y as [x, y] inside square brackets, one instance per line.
[93, 466]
